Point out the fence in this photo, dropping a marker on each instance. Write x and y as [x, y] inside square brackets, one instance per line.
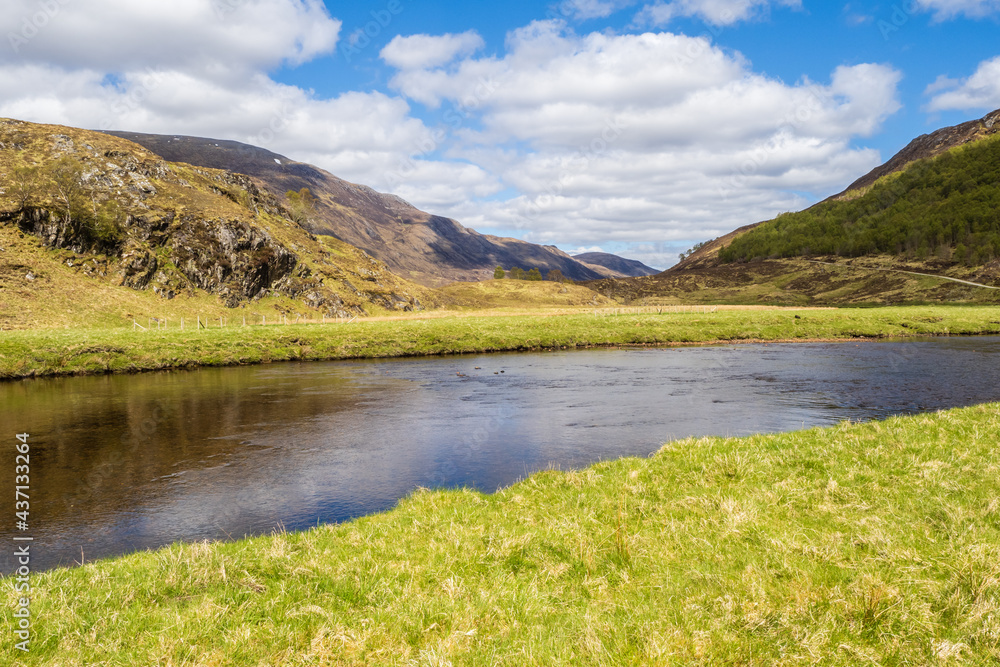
[222, 322]
[654, 310]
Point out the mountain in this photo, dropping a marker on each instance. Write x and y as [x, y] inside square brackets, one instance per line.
[619, 267]
[931, 210]
[428, 249]
[105, 219]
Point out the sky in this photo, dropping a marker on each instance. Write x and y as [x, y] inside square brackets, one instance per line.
[633, 127]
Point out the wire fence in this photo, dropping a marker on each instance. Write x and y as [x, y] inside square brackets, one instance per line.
[157, 323]
[653, 310]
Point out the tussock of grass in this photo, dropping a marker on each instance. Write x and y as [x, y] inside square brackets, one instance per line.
[858, 544]
[55, 352]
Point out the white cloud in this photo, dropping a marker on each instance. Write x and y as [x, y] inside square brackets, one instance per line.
[948, 9]
[423, 51]
[214, 37]
[715, 12]
[639, 138]
[979, 91]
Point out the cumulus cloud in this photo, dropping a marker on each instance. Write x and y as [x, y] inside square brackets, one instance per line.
[212, 36]
[423, 51]
[716, 12]
[636, 138]
[948, 9]
[979, 91]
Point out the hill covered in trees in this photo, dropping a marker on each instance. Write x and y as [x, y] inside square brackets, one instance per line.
[944, 208]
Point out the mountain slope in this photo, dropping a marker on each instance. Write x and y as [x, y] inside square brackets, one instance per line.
[928, 146]
[618, 266]
[931, 209]
[942, 210]
[917, 159]
[428, 249]
[97, 216]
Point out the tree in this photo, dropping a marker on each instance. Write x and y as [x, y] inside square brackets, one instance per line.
[555, 275]
[66, 178]
[960, 253]
[498, 273]
[301, 205]
[26, 185]
[516, 273]
[534, 274]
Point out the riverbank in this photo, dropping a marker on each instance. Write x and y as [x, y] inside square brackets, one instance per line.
[870, 543]
[53, 352]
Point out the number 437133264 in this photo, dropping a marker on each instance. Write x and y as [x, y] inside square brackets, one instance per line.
[22, 468]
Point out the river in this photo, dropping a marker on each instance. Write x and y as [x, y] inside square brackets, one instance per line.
[120, 463]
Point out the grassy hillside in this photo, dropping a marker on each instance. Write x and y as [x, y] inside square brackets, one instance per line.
[858, 544]
[95, 230]
[942, 210]
[517, 294]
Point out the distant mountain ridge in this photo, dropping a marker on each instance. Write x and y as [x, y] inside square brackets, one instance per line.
[618, 266]
[428, 249]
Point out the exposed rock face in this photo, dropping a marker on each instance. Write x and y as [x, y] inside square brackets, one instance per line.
[428, 249]
[137, 267]
[229, 258]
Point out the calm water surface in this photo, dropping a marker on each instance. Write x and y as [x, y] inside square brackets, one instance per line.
[121, 463]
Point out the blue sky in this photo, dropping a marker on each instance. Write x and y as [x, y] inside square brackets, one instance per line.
[632, 127]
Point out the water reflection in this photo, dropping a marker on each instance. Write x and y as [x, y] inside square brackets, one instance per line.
[129, 462]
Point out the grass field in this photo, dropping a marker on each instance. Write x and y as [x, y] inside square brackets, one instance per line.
[59, 352]
[873, 544]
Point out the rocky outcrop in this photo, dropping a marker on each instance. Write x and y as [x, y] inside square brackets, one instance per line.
[228, 257]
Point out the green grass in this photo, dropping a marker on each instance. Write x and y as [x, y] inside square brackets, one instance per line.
[62, 352]
[876, 543]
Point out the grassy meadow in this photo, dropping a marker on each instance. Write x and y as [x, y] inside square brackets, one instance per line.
[45, 352]
[874, 543]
